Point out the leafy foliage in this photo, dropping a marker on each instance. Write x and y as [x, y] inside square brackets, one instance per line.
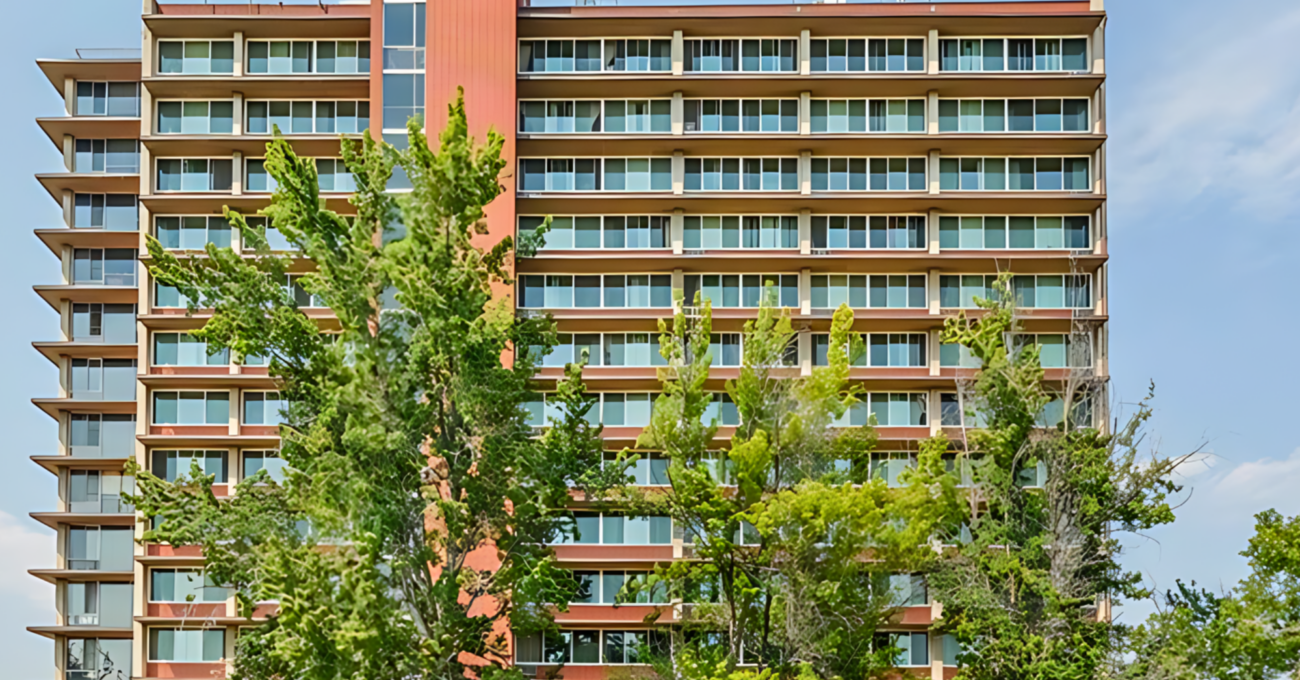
[410, 530]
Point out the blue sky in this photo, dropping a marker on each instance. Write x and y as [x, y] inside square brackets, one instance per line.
[1204, 163]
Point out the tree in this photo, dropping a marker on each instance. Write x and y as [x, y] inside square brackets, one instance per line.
[1253, 631]
[1027, 594]
[790, 532]
[410, 529]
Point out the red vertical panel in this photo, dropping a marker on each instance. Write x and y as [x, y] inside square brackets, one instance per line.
[376, 69]
[471, 44]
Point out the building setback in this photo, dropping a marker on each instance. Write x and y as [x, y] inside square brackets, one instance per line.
[892, 156]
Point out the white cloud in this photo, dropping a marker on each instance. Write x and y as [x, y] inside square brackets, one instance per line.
[1257, 485]
[1211, 113]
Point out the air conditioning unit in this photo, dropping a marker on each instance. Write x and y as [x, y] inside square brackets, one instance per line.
[695, 251]
[83, 620]
[690, 127]
[821, 251]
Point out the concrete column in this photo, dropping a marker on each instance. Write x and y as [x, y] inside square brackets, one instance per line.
[932, 291]
[145, 227]
[239, 53]
[69, 153]
[805, 172]
[147, 44]
[235, 408]
[1099, 110]
[805, 291]
[679, 173]
[805, 232]
[676, 226]
[146, 112]
[805, 52]
[146, 171]
[65, 319]
[805, 113]
[680, 284]
[932, 112]
[934, 412]
[932, 52]
[65, 263]
[678, 53]
[238, 123]
[932, 169]
[70, 96]
[1099, 170]
[932, 231]
[678, 113]
[69, 208]
[1099, 46]
[804, 338]
[65, 377]
[933, 342]
[1099, 228]
[1096, 6]
[236, 173]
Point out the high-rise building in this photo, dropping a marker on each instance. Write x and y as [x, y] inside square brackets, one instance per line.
[892, 156]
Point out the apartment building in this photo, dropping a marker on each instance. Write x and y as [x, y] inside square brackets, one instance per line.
[892, 156]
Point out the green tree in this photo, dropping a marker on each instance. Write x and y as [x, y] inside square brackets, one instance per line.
[1028, 592]
[793, 539]
[409, 532]
[1251, 632]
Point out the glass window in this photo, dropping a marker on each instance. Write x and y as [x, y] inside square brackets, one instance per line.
[187, 645]
[264, 408]
[174, 465]
[196, 57]
[255, 461]
[191, 408]
[93, 658]
[183, 585]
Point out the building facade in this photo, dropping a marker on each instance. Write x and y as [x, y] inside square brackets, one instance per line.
[892, 156]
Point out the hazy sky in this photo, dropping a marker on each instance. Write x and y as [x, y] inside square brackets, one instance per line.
[1204, 165]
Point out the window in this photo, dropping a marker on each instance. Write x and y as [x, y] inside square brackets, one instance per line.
[274, 239]
[101, 548]
[331, 174]
[96, 435]
[264, 408]
[562, 291]
[1014, 232]
[103, 266]
[868, 174]
[196, 117]
[742, 174]
[108, 99]
[596, 174]
[742, 290]
[299, 296]
[592, 528]
[113, 212]
[721, 411]
[765, 55]
[955, 355]
[255, 461]
[404, 31]
[862, 291]
[608, 587]
[277, 57]
[1054, 413]
[1057, 350]
[567, 56]
[111, 156]
[94, 658]
[174, 465]
[868, 115]
[612, 409]
[403, 100]
[196, 57]
[1013, 54]
[613, 115]
[187, 645]
[1013, 115]
[951, 650]
[650, 469]
[881, 350]
[913, 649]
[108, 323]
[107, 605]
[94, 491]
[192, 232]
[713, 232]
[191, 408]
[895, 409]
[593, 232]
[861, 55]
[888, 467]
[1055, 291]
[868, 231]
[183, 349]
[308, 117]
[183, 585]
[741, 115]
[194, 174]
[905, 590]
[606, 647]
[165, 296]
[102, 379]
[1014, 174]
